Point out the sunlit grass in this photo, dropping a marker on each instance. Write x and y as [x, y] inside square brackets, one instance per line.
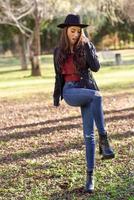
[116, 77]
[17, 83]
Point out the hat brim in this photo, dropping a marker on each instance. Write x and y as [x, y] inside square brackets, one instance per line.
[67, 25]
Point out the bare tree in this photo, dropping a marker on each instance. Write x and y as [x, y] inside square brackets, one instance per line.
[14, 12]
[20, 43]
[116, 10]
[128, 9]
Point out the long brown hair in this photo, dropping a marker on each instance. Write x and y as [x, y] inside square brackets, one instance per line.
[79, 56]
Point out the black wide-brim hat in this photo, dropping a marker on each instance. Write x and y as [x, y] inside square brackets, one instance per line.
[72, 20]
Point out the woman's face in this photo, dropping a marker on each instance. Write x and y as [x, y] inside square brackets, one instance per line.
[73, 33]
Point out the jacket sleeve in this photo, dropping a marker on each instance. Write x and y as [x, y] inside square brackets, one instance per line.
[56, 93]
[91, 57]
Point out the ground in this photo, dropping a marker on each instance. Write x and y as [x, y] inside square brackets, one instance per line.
[43, 153]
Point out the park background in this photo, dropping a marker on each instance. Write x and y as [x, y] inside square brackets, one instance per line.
[42, 152]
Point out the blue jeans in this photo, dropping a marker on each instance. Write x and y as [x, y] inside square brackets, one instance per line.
[90, 102]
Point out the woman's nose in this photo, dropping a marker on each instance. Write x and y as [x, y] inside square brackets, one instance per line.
[76, 35]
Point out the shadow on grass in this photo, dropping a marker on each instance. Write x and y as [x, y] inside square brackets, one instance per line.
[73, 118]
[120, 110]
[36, 133]
[119, 117]
[48, 130]
[123, 135]
[51, 129]
[55, 149]
[41, 123]
[11, 71]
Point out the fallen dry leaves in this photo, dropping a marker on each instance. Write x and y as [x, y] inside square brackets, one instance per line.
[33, 131]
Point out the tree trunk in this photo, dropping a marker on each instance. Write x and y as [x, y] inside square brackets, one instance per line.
[35, 65]
[35, 48]
[20, 47]
[23, 57]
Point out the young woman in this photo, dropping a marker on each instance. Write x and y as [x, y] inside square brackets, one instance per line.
[74, 59]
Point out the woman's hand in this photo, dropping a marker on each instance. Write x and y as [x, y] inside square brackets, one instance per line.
[84, 38]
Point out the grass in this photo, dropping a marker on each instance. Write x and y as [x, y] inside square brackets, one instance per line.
[16, 83]
[42, 153]
[116, 78]
[107, 57]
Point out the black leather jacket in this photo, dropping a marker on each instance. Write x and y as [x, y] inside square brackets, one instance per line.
[85, 74]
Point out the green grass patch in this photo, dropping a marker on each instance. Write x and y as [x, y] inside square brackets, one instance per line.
[15, 83]
[114, 78]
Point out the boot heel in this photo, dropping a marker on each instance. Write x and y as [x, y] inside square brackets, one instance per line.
[100, 150]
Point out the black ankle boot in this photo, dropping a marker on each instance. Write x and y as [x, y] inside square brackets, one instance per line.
[90, 182]
[104, 147]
